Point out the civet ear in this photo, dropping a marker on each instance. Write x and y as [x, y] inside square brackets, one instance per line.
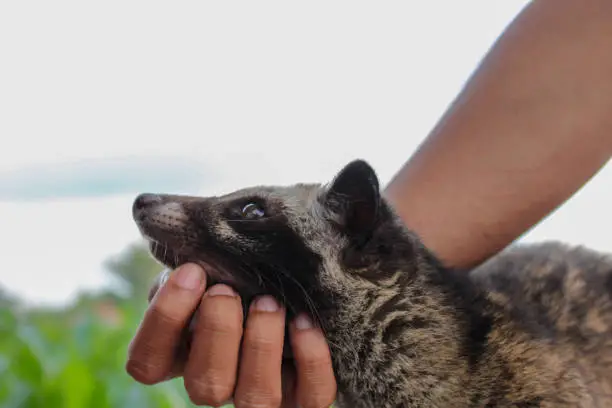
[353, 197]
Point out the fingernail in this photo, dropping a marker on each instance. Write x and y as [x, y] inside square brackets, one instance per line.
[221, 290]
[266, 304]
[303, 322]
[189, 276]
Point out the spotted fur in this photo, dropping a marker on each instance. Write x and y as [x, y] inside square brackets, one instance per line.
[529, 328]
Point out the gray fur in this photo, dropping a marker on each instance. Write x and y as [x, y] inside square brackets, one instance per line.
[529, 328]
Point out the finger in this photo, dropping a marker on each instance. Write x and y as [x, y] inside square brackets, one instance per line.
[210, 373]
[152, 352]
[184, 346]
[259, 378]
[316, 384]
[182, 352]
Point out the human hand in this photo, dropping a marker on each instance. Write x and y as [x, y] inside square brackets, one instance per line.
[216, 365]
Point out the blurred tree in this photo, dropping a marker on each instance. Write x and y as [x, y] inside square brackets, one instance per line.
[135, 269]
[7, 299]
[74, 356]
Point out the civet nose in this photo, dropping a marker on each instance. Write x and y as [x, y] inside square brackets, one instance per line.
[144, 201]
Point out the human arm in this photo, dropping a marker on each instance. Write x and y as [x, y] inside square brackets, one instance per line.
[532, 126]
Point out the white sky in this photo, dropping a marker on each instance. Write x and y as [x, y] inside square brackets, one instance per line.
[273, 92]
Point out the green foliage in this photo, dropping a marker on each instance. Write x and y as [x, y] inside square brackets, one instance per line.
[135, 269]
[75, 357]
[74, 363]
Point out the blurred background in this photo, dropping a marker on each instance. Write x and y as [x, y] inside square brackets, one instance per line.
[102, 100]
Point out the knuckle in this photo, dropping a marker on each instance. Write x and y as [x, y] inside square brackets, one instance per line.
[168, 315]
[219, 318]
[318, 363]
[259, 400]
[207, 393]
[261, 346]
[143, 372]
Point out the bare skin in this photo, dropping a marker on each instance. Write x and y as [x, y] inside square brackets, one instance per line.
[211, 372]
[531, 127]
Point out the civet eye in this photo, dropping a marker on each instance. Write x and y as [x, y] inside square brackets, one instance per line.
[252, 211]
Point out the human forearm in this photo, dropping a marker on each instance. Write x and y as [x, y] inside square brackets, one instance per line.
[532, 125]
